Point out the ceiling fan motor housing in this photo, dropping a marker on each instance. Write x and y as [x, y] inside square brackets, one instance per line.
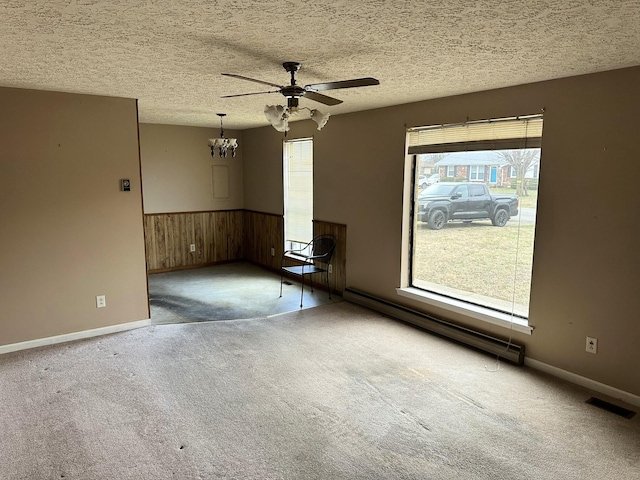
[292, 103]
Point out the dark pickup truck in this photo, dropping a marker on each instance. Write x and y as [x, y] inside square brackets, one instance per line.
[465, 202]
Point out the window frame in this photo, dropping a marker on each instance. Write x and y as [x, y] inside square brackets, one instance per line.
[480, 312]
[287, 145]
[477, 169]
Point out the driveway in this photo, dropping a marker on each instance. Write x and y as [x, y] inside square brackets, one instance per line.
[526, 216]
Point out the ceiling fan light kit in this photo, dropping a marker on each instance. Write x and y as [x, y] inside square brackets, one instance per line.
[320, 118]
[222, 144]
[278, 115]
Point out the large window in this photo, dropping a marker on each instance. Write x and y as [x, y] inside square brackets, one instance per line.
[298, 192]
[472, 243]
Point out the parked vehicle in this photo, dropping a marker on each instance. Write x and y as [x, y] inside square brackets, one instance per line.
[424, 181]
[464, 201]
[431, 179]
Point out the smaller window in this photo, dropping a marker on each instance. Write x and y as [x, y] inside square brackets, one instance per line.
[512, 172]
[476, 172]
[451, 171]
[298, 192]
[536, 170]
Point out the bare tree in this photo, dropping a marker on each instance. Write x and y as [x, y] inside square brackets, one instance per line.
[431, 159]
[521, 160]
[438, 156]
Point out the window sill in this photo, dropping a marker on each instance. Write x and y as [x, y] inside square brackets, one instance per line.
[299, 258]
[474, 311]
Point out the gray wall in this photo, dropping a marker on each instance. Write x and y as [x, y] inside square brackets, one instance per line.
[177, 169]
[67, 232]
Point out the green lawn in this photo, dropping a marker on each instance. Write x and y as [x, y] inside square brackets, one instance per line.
[477, 257]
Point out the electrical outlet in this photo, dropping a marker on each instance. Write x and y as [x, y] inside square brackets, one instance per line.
[330, 268]
[592, 345]
[273, 252]
[192, 248]
[101, 301]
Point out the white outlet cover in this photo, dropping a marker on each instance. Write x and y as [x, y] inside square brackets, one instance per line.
[101, 301]
[592, 345]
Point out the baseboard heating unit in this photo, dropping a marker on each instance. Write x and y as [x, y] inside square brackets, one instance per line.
[501, 348]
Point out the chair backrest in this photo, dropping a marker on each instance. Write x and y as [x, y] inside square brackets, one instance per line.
[322, 248]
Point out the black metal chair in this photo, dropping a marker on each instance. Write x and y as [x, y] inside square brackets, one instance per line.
[314, 257]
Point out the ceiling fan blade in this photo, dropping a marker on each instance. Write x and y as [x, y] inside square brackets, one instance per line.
[356, 82]
[251, 79]
[253, 93]
[318, 97]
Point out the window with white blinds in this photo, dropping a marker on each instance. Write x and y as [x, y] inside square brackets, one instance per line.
[298, 192]
[500, 134]
[474, 251]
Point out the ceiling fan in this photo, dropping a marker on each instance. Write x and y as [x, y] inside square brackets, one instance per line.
[293, 91]
[278, 115]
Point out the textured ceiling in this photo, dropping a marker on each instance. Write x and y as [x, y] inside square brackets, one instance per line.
[169, 53]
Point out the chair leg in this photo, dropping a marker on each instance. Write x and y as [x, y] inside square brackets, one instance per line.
[280, 283]
[301, 291]
[328, 287]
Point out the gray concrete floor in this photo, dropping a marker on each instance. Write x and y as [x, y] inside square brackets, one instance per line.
[226, 292]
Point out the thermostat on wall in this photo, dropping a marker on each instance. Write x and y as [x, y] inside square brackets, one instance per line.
[125, 184]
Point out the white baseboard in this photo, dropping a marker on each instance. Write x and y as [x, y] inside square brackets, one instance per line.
[584, 381]
[68, 337]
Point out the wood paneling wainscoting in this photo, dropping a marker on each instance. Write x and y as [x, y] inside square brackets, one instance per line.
[262, 232]
[230, 235]
[217, 237]
[338, 277]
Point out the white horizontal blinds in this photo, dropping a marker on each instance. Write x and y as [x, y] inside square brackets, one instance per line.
[298, 191]
[502, 134]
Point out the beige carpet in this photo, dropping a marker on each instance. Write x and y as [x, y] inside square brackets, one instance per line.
[333, 392]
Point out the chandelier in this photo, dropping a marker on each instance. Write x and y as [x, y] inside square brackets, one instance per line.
[223, 144]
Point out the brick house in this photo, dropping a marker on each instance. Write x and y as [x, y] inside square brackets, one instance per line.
[482, 166]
